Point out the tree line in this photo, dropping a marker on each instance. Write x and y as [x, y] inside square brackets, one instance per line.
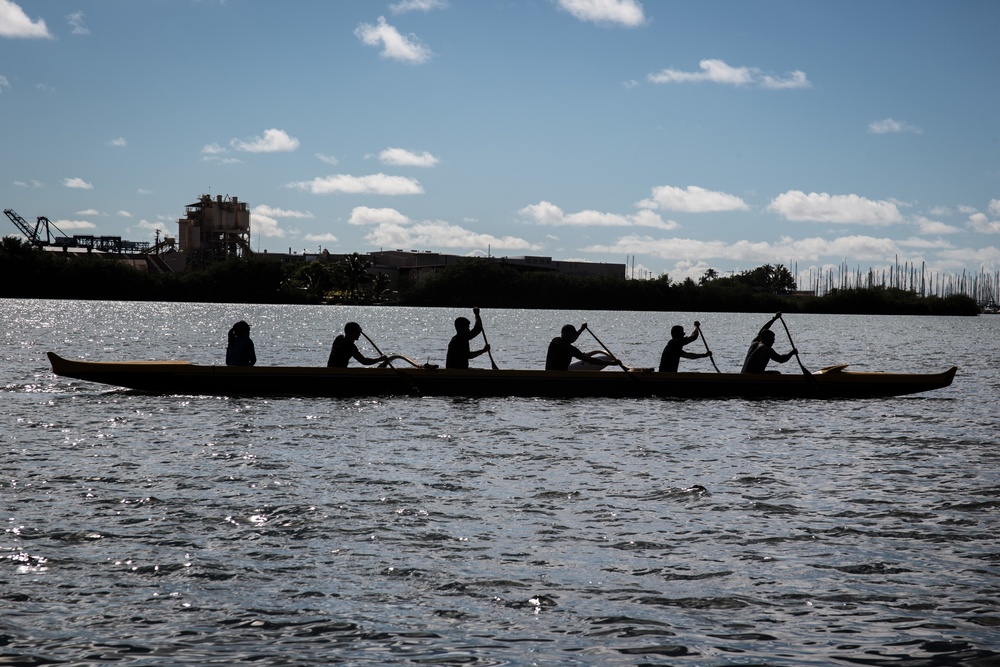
[27, 272]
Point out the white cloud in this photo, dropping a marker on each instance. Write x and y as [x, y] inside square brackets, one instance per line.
[320, 238]
[273, 141]
[264, 209]
[717, 71]
[264, 220]
[547, 213]
[212, 149]
[979, 222]
[378, 184]
[329, 159]
[88, 211]
[890, 126]
[623, 12]
[928, 227]
[118, 143]
[994, 208]
[692, 200]
[74, 225]
[866, 248]
[364, 215]
[395, 46]
[75, 21]
[4, 83]
[77, 183]
[123, 214]
[845, 209]
[15, 23]
[400, 157]
[144, 191]
[417, 6]
[28, 184]
[392, 229]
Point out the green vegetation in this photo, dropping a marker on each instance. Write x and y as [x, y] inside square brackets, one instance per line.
[27, 272]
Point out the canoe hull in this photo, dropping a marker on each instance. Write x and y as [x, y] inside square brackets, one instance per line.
[172, 377]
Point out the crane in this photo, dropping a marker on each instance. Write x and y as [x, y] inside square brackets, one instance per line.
[33, 234]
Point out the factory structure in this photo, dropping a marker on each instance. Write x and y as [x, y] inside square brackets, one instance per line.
[218, 229]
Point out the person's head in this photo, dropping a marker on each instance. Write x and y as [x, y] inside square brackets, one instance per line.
[569, 333]
[352, 330]
[241, 328]
[677, 331]
[462, 324]
[767, 337]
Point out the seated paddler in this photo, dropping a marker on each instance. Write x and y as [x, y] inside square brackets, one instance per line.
[239, 349]
[459, 351]
[562, 351]
[762, 350]
[674, 349]
[345, 348]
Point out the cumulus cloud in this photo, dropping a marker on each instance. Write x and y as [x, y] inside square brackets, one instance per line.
[890, 126]
[320, 238]
[994, 208]
[547, 213]
[15, 23]
[980, 222]
[400, 157]
[123, 214]
[717, 71]
[264, 220]
[118, 143]
[4, 83]
[329, 159]
[273, 141]
[376, 184]
[798, 206]
[78, 183]
[74, 225]
[392, 229]
[692, 200]
[928, 227]
[395, 46]
[88, 211]
[628, 13]
[867, 248]
[75, 21]
[405, 6]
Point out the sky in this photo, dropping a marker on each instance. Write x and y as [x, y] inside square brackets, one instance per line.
[673, 137]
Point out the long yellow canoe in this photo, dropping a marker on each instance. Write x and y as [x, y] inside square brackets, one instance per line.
[181, 377]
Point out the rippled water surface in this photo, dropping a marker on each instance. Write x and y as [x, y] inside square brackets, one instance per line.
[169, 530]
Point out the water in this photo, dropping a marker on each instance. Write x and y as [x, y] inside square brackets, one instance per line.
[180, 530]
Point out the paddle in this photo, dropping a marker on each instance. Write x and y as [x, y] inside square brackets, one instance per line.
[486, 342]
[388, 360]
[612, 355]
[792, 343]
[697, 325]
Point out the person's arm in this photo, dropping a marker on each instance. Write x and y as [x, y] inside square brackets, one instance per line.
[782, 358]
[473, 355]
[251, 353]
[362, 359]
[477, 328]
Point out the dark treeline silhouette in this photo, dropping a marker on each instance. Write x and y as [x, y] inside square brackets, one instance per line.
[27, 272]
[763, 289]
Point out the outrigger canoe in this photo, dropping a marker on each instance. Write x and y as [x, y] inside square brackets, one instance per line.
[181, 377]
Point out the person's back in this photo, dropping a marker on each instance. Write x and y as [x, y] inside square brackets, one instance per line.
[670, 359]
[240, 349]
[341, 352]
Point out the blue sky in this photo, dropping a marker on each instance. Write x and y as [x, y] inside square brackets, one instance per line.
[680, 136]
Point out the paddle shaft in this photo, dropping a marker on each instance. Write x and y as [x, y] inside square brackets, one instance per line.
[489, 352]
[372, 343]
[612, 355]
[792, 343]
[711, 357]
